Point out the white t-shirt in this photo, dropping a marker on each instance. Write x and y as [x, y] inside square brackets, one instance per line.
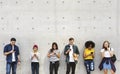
[54, 58]
[71, 58]
[35, 59]
[106, 53]
[13, 55]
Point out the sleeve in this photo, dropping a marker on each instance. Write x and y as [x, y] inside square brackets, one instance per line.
[58, 51]
[77, 50]
[5, 49]
[102, 50]
[112, 49]
[49, 51]
[31, 54]
[18, 50]
[38, 55]
[65, 50]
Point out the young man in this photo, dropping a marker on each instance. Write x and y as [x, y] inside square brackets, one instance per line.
[11, 51]
[71, 52]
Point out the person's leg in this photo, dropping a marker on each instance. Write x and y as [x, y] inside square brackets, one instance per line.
[112, 72]
[37, 68]
[14, 66]
[33, 68]
[68, 68]
[56, 67]
[87, 66]
[73, 65]
[51, 67]
[8, 68]
[105, 71]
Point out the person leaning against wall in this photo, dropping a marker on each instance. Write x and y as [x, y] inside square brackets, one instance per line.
[35, 60]
[106, 63]
[11, 51]
[88, 56]
[54, 57]
[71, 52]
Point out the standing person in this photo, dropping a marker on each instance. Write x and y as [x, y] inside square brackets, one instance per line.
[71, 52]
[54, 56]
[11, 51]
[88, 56]
[106, 64]
[35, 60]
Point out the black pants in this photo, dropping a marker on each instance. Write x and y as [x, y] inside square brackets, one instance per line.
[69, 66]
[35, 67]
[54, 67]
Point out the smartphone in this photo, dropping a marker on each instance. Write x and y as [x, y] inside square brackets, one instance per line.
[91, 52]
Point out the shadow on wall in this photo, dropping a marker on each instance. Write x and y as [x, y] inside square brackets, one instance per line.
[46, 65]
[62, 68]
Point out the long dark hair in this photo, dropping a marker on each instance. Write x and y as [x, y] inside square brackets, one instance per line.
[54, 43]
[104, 44]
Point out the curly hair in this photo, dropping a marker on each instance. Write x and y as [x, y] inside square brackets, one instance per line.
[89, 43]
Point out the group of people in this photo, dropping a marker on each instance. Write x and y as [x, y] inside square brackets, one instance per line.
[71, 52]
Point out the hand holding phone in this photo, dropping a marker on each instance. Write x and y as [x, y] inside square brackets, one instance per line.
[91, 52]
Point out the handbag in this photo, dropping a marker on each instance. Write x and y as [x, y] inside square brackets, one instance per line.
[113, 58]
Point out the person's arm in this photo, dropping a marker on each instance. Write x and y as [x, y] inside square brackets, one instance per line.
[66, 51]
[19, 58]
[37, 56]
[32, 56]
[85, 56]
[111, 52]
[50, 54]
[77, 51]
[58, 54]
[93, 55]
[19, 61]
[102, 53]
[7, 52]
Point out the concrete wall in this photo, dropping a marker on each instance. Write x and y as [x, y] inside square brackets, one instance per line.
[45, 21]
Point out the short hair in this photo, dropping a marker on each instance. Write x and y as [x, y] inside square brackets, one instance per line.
[12, 39]
[89, 43]
[71, 39]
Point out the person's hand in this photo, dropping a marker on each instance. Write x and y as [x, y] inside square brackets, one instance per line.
[35, 55]
[68, 50]
[52, 53]
[12, 51]
[90, 54]
[19, 62]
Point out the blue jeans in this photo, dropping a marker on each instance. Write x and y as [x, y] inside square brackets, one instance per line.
[12, 65]
[89, 65]
[35, 67]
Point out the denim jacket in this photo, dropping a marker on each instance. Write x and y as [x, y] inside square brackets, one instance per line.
[8, 48]
[75, 50]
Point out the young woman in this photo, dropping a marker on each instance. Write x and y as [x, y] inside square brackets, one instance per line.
[89, 56]
[35, 60]
[54, 55]
[106, 63]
